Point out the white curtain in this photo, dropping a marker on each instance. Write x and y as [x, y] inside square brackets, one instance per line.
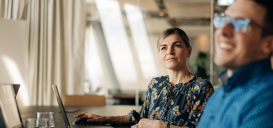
[56, 45]
[13, 9]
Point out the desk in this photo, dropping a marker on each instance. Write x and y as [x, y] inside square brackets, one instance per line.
[127, 99]
[30, 112]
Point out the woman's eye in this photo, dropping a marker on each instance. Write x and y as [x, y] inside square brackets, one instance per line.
[163, 48]
[178, 46]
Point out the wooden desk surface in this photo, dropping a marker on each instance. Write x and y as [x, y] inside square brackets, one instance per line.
[30, 112]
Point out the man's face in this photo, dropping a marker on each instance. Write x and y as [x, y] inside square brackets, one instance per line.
[234, 50]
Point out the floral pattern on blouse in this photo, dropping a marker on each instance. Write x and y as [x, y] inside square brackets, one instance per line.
[182, 106]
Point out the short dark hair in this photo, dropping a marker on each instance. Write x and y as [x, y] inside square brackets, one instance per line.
[268, 18]
[177, 31]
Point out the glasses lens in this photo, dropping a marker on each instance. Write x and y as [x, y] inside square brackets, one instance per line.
[219, 21]
[240, 24]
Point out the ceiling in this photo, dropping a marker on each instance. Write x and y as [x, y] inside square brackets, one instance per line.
[193, 16]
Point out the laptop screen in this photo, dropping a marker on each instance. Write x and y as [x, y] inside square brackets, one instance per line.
[59, 100]
[8, 106]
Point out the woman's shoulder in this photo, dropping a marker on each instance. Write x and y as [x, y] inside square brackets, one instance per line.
[202, 82]
[161, 78]
[158, 80]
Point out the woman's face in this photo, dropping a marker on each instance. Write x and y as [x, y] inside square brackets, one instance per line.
[173, 52]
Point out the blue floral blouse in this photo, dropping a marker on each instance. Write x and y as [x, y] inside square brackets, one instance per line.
[181, 106]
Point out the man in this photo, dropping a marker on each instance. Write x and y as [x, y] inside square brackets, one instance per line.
[243, 45]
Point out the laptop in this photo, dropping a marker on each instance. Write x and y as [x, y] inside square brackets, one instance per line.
[67, 124]
[9, 111]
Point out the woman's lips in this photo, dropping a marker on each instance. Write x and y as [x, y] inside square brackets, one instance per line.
[170, 59]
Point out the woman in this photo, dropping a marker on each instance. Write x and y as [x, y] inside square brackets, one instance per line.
[174, 100]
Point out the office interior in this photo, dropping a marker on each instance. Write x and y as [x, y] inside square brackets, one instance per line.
[99, 47]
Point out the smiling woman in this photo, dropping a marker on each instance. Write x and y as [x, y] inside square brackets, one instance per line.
[174, 100]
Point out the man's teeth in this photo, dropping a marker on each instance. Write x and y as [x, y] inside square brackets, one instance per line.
[225, 46]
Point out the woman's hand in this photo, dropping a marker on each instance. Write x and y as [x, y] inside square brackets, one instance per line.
[93, 118]
[146, 123]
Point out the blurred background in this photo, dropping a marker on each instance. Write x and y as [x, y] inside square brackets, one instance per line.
[99, 47]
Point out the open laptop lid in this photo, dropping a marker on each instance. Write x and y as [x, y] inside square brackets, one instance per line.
[16, 89]
[2, 120]
[8, 106]
[59, 100]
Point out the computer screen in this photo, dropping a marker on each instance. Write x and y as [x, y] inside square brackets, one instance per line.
[59, 100]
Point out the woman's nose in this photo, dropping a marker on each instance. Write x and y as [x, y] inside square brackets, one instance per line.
[170, 51]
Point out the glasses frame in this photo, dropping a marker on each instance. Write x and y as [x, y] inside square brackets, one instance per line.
[251, 22]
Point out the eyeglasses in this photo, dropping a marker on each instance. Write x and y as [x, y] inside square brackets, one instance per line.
[240, 24]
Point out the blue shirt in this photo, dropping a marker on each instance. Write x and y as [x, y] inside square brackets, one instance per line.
[246, 101]
[181, 106]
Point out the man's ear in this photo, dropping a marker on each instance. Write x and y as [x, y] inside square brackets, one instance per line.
[267, 47]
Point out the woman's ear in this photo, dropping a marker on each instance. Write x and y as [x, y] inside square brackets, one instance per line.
[189, 51]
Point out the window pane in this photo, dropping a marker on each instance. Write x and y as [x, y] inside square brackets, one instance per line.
[117, 41]
[141, 40]
[94, 72]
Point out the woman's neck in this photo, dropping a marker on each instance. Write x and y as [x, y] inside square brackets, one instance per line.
[179, 76]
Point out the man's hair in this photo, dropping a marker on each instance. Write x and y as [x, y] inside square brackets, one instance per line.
[268, 18]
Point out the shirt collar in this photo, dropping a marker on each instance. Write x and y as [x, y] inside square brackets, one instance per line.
[245, 74]
[181, 84]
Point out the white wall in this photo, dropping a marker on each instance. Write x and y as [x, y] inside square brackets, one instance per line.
[13, 55]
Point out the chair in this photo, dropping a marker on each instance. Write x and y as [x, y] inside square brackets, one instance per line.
[84, 100]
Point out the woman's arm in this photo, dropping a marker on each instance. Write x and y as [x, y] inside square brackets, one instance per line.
[200, 94]
[174, 126]
[117, 119]
[147, 123]
[104, 119]
[134, 117]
